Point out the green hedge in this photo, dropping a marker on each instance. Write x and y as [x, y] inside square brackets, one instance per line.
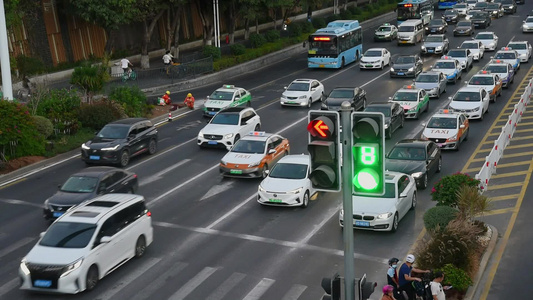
[43, 126]
[18, 134]
[438, 217]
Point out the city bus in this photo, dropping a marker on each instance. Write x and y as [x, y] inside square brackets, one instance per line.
[415, 9]
[335, 46]
[446, 4]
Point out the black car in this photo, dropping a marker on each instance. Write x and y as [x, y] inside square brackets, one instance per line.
[394, 115]
[436, 26]
[86, 185]
[420, 158]
[465, 27]
[406, 66]
[355, 95]
[495, 10]
[451, 16]
[120, 140]
[509, 6]
[481, 19]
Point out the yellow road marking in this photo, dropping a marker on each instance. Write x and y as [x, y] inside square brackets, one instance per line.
[13, 183]
[516, 131]
[518, 138]
[500, 166]
[505, 197]
[506, 156]
[499, 211]
[504, 186]
[524, 124]
[508, 174]
[509, 147]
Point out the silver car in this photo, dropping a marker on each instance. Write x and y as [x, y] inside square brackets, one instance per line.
[433, 82]
[435, 44]
[464, 56]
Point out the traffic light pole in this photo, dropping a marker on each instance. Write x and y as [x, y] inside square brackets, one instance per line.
[347, 203]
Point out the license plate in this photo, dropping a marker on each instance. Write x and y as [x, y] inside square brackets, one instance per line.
[321, 66]
[212, 143]
[401, 73]
[430, 51]
[368, 66]
[403, 42]
[57, 214]
[362, 223]
[275, 200]
[42, 283]
[94, 157]
[433, 30]
[291, 102]
[212, 113]
[235, 171]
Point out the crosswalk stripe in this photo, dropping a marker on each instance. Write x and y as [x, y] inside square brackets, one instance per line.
[9, 286]
[193, 284]
[295, 292]
[259, 289]
[226, 286]
[15, 246]
[160, 282]
[143, 268]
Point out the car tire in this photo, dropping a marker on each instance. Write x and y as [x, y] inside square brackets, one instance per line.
[305, 200]
[424, 183]
[91, 280]
[263, 172]
[364, 104]
[249, 103]
[413, 202]
[257, 127]
[466, 135]
[427, 107]
[382, 65]
[152, 147]
[309, 102]
[395, 221]
[140, 246]
[342, 63]
[124, 158]
[439, 165]
[444, 92]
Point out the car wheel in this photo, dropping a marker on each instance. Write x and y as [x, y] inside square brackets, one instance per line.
[394, 225]
[364, 104]
[92, 278]
[309, 102]
[424, 183]
[257, 127]
[482, 116]
[466, 135]
[417, 114]
[382, 65]
[264, 171]
[427, 107]
[444, 92]
[413, 202]
[152, 147]
[305, 200]
[439, 165]
[140, 246]
[124, 158]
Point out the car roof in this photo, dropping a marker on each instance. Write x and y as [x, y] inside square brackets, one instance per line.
[234, 109]
[413, 142]
[295, 159]
[430, 73]
[448, 115]
[96, 171]
[470, 89]
[92, 211]
[344, 88]
[129, 121]
[380, 49]
[380, 104]
[392, 177]
[263, 137]
[303, 80]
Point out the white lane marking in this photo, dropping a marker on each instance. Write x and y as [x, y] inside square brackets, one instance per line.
[20, 202]
[226, 286]
[192, 284]
[217, 189]
[215, 223]
[160, 281]
[13, 283]
[164, 139]
[295, 292]
[159, 174]
[139, 271]
[259, 289]
[21, 243]
[369, 82]
[326, 217]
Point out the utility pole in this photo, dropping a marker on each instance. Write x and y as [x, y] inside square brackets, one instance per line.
[216, 23]
[5, 66]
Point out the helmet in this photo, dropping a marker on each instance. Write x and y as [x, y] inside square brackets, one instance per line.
[387, 289]
[410, 258]
[189, 95]
[168, 93]
[393, 260]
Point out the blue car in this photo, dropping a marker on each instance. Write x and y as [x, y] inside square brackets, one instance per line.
[450, 67]
[510, 56]
[504, 70]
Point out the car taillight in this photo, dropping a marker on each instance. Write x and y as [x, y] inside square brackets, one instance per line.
[148, 213]
[134, 175]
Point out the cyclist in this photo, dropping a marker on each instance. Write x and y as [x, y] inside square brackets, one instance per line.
[167, 58]
[125, 64]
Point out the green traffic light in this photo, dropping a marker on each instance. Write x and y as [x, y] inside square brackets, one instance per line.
[366, 179]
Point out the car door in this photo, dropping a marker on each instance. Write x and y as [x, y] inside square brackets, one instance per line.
[446, 44]
[387, 57]
[275, 143]
[418, 64]
[424, 100]
[432, 157]
[135, 139]
[394, 119]
[442, 82]
[485, 100]
[402, 203]
[118, 184]
[463, 121]
[315, 91]
[357, 100]
[105, 186]
[245, 126]
[106, 254]
[236, 98]
[469, 58]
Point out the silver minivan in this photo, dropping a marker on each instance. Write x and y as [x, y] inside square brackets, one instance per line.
[410, 32]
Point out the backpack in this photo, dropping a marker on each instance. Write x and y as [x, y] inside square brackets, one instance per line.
[419, 288]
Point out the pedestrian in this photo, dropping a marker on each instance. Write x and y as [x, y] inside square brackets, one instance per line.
[167, 58]
[388, 293]
[189, 101]
[392, 276]
[437, 291]
[406, 280]
[125, 64]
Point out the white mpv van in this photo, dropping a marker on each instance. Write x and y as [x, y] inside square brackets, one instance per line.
[410, 32]
[86, 243]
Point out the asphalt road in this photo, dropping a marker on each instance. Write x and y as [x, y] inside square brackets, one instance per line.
[212, 239]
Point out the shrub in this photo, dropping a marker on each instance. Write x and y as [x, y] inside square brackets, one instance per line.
[29, 66]
[96, 115]
[272, 36]
[43, 126]
[237, 49]
[456, 277]
[307, 27]
[90, 78]
[60, 107]
[355, 10]
[294, 29]
[318, 22]
[471, 203]
[438, 217]
[257, 40]
[131, 98]
[445, 190]
[213, 51]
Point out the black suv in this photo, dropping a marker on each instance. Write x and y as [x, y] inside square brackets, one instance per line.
[393, 112]
[355, 95]
[120, 140]
[436, 26]
[509, 6]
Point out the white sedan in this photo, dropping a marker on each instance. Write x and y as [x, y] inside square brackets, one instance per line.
[476, 48]
[288, 183]
[523, 48]
[375, 58]
[383, 213]
[302, 92]
[472, 101]
[489, 39]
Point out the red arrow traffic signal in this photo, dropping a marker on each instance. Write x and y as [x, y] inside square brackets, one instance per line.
[320, 127]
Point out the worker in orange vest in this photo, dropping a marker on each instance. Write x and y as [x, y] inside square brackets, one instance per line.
[165, 99]
[189, 101]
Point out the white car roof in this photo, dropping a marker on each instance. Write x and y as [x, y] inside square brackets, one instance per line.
[392, 177]
[295, 159]
[375, 49]
[303, 80]
[93, 210]
[470, 89]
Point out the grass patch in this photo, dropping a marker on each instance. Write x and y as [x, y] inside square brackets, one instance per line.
[65, 143]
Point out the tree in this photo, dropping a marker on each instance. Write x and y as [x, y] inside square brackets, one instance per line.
[149, 13]
[173, 25]
[232, 15]
[205, 9]
[250, 10]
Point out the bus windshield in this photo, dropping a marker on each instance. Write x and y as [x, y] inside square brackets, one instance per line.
[323, 45]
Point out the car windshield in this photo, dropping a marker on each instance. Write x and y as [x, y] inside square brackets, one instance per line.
[470, 46]
[406, 96]
[496, 68]
[520, 46]
[434, 39]
[478, 14]
[436, 22]
[471, 1]
[467, 96]
[289, 171]
[481, 80]
[382, 109]
[484, 36]
[427, 78]
[68, 235]
[384, 29]
[113, 132]
[443, 123]
[457, 53]
[507, 1]
[341, 94]
[406, 29]
[247, 146]
[464, 24]
[407, 153]
[450, 13]
[405, 60]
[444, 65]
[221, 95]
[460, 5]
[373, 53]
[79, 184]
[390, 191]
[481, 5]
[225, 119]
[493, 6]
[529, 20]
[299, 86]
[505, 55]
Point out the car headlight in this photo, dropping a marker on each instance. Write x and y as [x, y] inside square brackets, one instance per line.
[417, 174]
[411, 69]
[491, 45]
[302, 97]
[70, 268]
[423, 47]
[441, 28]
[261, 189]
[341, 214]
[435, 89]
[200, 135]
[24, 267]
[475, 109]
[392, 69]
[439, 48]
[254, 164]
[427, 28]
[296, 191]
[413, 109]
[283, 97]
[223, 162]
[83, 146]
[452, 139]
[511, 6]
[228, 136]
[384, 216]
[111, 148]
[46, 204]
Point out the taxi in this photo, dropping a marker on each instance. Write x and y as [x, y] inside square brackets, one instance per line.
[447, 129]
[254, 155]
[386, 32]
[450, 67]
[523, 48]
[488, 81]
[509, 55]
[413, 100]
[502, 69]
[226, 96]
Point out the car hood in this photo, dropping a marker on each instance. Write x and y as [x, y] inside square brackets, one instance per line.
[282, 184]
[434, 26]
[242, 158]
[54, 256]
[426, 85]
[379, 33]
[337, 101]
[464, 104]
[486, 42]
[405, 166]
[403, 66]
[99, 143]
[433, 44]
[463, 28]
[446, 72]
[66, 198]
[294, 93]
[372, 205]
[487, 88]
[219, 129]
[217, 103]
[407, 104]
[371, 59]
[439, 133]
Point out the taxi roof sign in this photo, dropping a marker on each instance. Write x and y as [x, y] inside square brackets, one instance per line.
[409, 87]
[484, 72]
[228, 86]
[507, 48]
[445, 111]
[257, 133]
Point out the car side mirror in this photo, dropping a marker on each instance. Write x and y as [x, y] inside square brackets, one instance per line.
[462, 126]
[207, 97]
[450, 98]
[423, 124]
[390, 98]
[105, 239]
[267, 172]
[41, 234]
[403, 195]
[271, 151]
[285, 87]
[313, 89]
[59, 186]
[466, 82]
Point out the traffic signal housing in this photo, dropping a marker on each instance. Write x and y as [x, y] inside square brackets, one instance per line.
[368, 150]
[332, 287]
[364, 288]
[323, 146]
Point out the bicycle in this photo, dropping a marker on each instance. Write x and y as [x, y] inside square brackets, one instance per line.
[130, 75]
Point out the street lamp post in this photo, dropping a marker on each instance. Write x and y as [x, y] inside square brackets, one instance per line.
[216, 21]
[4, 57]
